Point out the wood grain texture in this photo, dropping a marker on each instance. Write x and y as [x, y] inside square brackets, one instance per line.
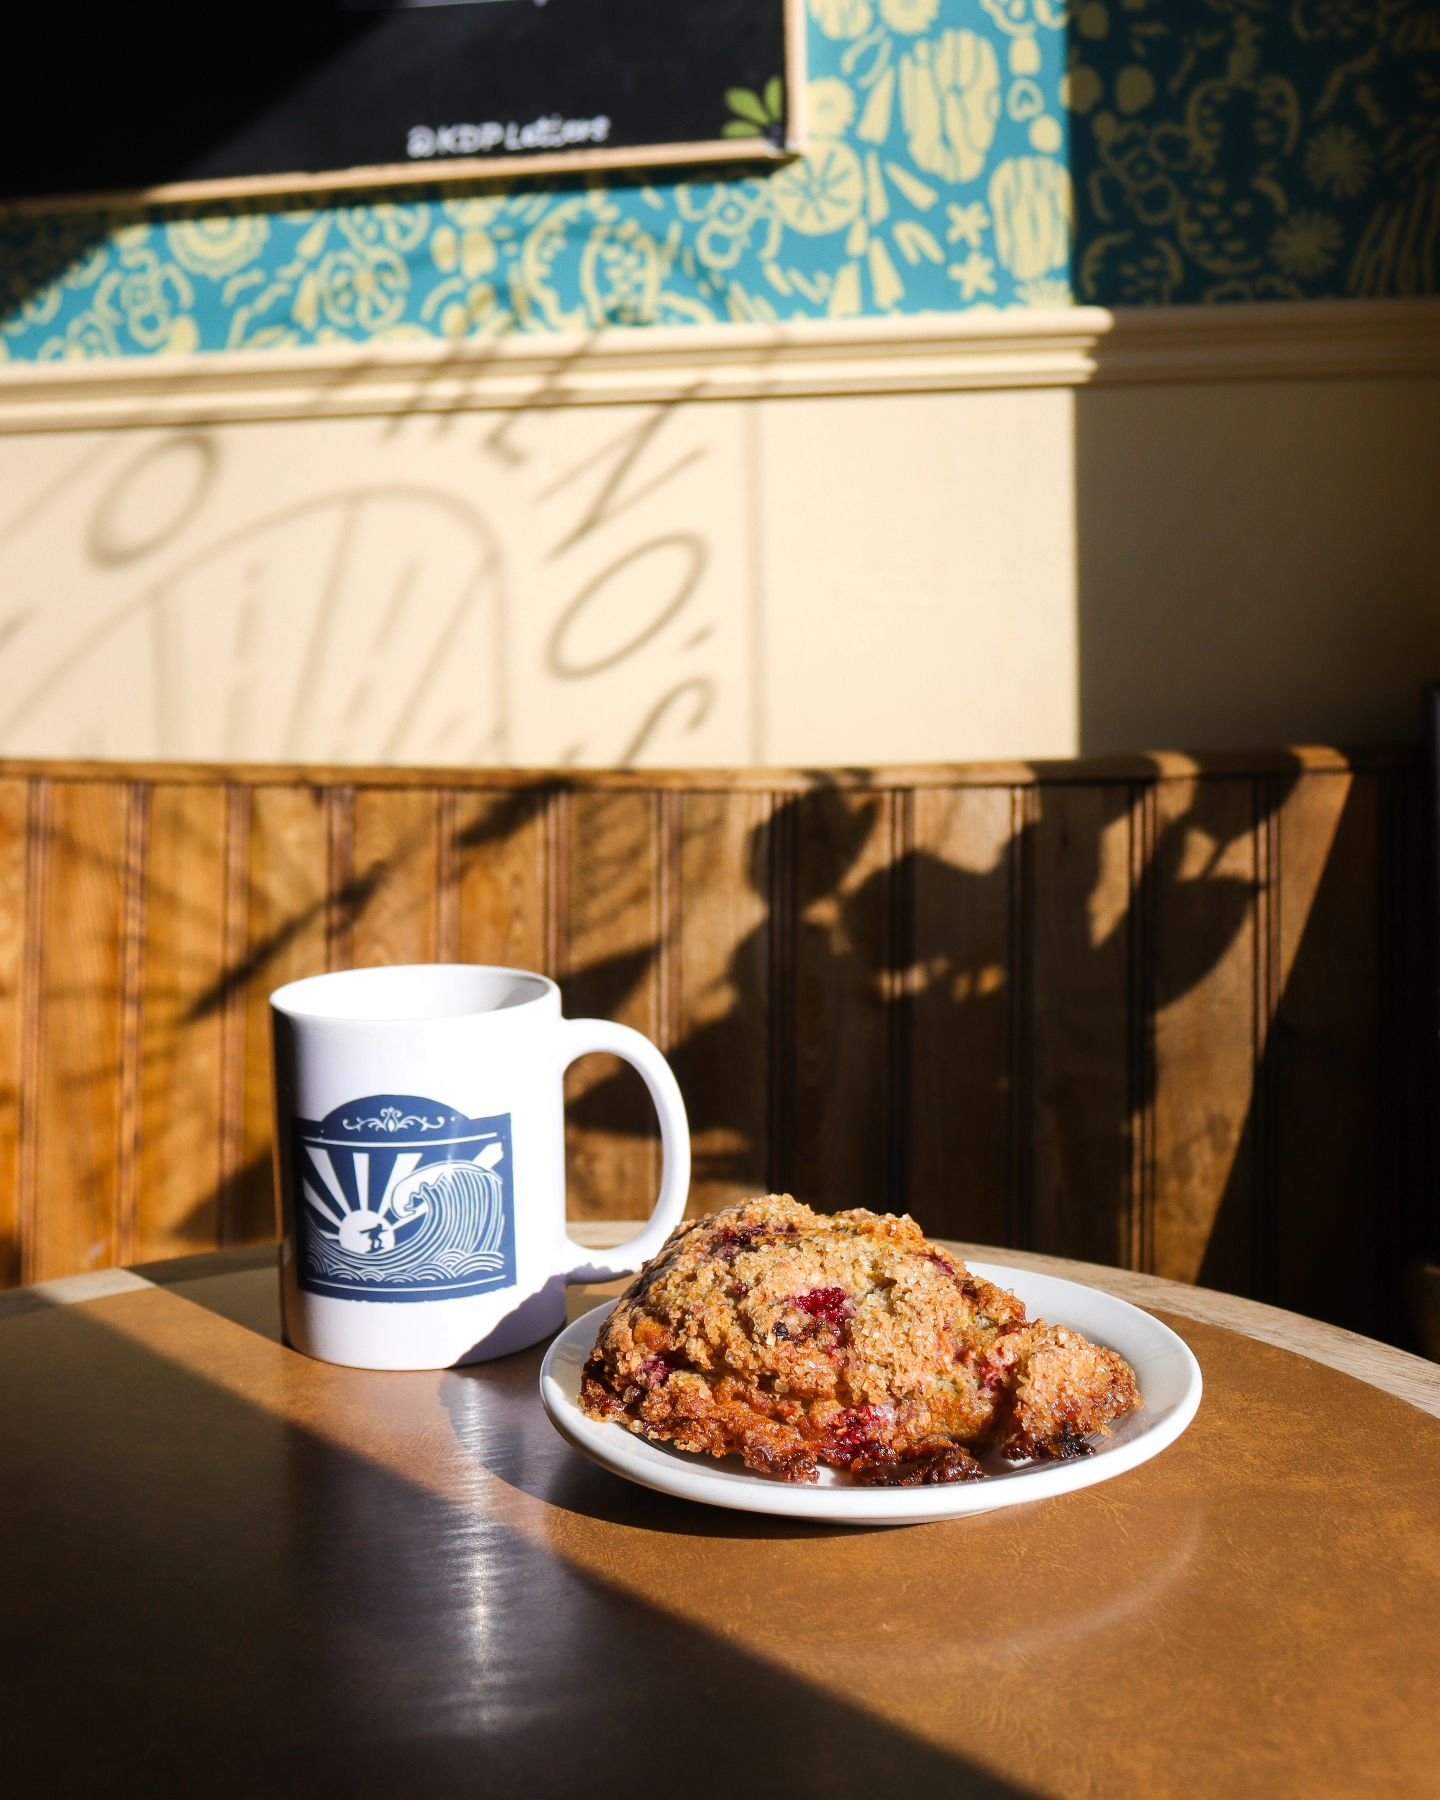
[1203, 877]
[283, 929]
[1228, 1618]
[14, 942]
[721, 1036]
[395, 852]
[1082, 1078]
[497, 876]
[840, 1148]
[1322, 1098]
[180, 1143]
[1148, 1012]
[961, 975]
[1151, 765]
[612, 966]
[84, 1068]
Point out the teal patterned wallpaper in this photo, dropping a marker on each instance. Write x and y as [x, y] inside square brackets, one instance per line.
[964, 154]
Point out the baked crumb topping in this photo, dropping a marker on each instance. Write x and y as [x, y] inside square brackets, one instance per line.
[795, 1340]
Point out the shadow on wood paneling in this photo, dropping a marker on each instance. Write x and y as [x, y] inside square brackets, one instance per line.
[1150, 1013]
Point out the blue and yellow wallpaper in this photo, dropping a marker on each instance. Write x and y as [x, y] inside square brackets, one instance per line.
[963, 154]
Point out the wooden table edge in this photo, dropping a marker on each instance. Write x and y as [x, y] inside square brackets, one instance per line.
[1408, 1377]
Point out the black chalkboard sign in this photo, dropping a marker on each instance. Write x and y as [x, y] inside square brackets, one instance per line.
[365, 92]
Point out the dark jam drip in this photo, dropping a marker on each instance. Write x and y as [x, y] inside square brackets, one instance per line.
[937, 1468]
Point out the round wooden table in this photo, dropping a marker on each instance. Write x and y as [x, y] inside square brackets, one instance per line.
[233, 1571]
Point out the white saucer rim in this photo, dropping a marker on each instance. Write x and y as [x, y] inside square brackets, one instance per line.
[1134, 1442]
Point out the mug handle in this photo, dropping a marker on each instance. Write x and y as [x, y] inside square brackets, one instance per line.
[580, 1038]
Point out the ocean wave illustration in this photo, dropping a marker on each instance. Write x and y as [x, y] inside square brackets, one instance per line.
[458, 1209]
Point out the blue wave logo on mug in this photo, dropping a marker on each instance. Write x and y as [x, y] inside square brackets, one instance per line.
[402, 1198]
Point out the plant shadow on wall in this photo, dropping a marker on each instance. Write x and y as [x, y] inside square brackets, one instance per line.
[934, 1007]
[1153, 1016]
[1079, 1034]
[1132, 1019]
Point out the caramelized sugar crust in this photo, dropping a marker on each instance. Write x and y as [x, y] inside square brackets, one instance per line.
[792, 1339]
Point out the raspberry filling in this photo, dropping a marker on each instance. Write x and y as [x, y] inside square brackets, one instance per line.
[657, 1370]
[830, 1306]
[858, 1431]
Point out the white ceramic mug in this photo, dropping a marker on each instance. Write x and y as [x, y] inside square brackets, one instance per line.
[420, 1158]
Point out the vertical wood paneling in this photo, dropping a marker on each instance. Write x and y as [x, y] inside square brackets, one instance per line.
[611, 956]
[1408, 951]
[498, 864]
[958, 1113]
[1326, 1221]
[1025, 806]
[779, 878]
[1125, 1020]
[897, 992]
[231, 999]
[1081, 1044]
[37, 871]
[132, 997]
[348, 890]
[14, 846]
[1139, 1217]
[722, 1038]
[1204, 878]
[395, 858]
[286, 937]
[80, 1055]
[181, 1133]
[840, 1149]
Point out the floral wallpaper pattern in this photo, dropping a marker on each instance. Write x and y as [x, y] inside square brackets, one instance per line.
[963, 154]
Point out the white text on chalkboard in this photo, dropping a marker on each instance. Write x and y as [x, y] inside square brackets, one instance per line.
[550, 132]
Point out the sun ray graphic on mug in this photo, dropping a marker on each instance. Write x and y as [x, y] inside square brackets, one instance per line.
[397, 1220]
[329, 1175]
[320, 1207]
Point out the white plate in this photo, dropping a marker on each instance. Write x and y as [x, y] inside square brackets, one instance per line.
[1168, 1374]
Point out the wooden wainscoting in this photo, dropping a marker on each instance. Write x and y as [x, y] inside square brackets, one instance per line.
[1156, 1013]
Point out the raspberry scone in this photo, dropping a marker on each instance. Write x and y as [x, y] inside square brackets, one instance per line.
[792, 1339]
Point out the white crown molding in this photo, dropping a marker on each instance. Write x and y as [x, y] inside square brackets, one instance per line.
[929, 353]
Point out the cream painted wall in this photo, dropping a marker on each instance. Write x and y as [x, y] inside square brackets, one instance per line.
[919, 570]
[822, 578]
[1259, 563]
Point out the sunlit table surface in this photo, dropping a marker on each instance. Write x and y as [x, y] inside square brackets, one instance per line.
[232, 1570]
